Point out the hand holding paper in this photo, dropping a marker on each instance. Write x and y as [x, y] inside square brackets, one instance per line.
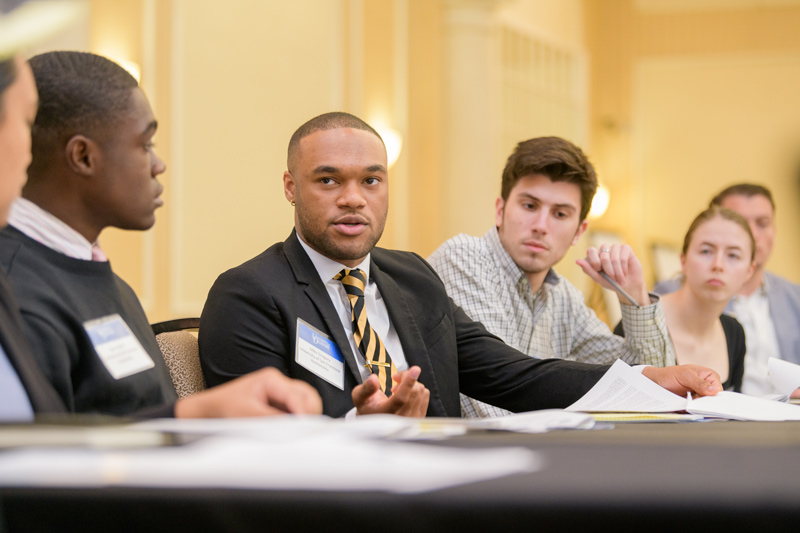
[622, 389]
[683, 379]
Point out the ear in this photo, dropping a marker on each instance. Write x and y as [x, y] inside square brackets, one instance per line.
[683, 264]
[499, 205]
[82, 155]
[288, 186]
[581, 229]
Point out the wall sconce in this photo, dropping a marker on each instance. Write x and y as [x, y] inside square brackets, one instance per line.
[394, 144]
[600, 202]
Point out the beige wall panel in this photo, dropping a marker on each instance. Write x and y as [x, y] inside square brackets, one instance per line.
[245, 78]
[705, 123]
[622, 34]
[422, 146]
[561, 21]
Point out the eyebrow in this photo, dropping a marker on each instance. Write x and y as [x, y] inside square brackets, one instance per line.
[325, 169]
[732, 247]
[557, 206]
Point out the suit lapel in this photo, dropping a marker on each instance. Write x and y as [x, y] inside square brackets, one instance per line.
[306, 274]
[405, 324]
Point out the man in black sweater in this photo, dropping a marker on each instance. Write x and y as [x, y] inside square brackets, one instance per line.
[93, 166]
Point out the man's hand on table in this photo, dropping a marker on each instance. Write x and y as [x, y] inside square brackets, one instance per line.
[698, 380]
[409, 397]
[265, 392]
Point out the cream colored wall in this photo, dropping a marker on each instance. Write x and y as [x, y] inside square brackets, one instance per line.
[231, 84]
[558, 20]
[688, 98]
[562, 22]
[229, 94]
[238, 93]
[695, 139]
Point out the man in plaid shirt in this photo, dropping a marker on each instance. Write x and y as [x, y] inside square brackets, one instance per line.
[506, 281]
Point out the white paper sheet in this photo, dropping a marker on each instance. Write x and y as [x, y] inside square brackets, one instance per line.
[785, 376]
[623, 389]
[738, 406]
[285, 453]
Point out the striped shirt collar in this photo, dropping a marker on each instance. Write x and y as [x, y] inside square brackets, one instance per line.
[50, 231]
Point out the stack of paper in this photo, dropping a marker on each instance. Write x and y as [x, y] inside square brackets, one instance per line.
[623, 389]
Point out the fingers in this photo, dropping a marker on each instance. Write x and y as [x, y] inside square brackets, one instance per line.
[612, 259]
[681, 379]
[265, 392]
[620, 264]
[409, 396]
[271, 392]
[362, 393]
[405, 379]
[300, 398]
[590, 271]
[703, 381]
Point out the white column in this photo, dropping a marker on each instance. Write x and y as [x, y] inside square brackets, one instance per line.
[470, 180]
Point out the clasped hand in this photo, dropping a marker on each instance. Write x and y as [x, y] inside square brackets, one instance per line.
[620, 264]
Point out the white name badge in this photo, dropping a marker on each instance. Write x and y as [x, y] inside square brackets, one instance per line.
[317, 353]
[118, 348]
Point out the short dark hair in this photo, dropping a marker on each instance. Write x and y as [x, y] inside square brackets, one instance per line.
[728, 214]
[744, 189]
[79, 92]
[327, 121]
[555, 158]
[8, 73]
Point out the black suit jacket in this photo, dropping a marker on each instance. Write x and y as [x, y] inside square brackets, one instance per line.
[42, 395]
[250, 322]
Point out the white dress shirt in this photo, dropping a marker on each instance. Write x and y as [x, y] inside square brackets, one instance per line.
[753, 313]
[377, 314]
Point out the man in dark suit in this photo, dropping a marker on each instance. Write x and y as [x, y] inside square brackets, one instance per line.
[372, 328]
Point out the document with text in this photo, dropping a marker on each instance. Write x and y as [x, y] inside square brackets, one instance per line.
[623, 389]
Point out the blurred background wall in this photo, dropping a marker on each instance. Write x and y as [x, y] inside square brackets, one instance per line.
[672, 100]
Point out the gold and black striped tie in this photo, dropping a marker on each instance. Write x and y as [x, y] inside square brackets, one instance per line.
[371, 346]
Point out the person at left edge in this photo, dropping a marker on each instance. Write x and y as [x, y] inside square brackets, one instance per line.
[337, 179]
[23, 388]
[93, 166]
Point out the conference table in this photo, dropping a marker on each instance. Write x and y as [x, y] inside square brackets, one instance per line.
[697, 476]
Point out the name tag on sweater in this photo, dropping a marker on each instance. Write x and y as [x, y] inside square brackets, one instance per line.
[317, 352]
[117, 346]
